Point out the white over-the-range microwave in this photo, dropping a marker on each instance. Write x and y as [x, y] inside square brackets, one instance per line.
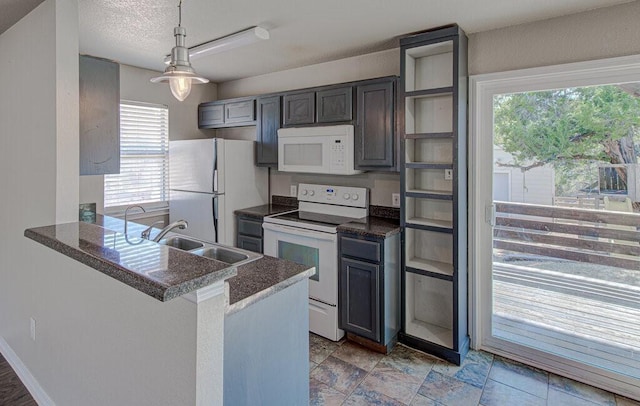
[327, 149]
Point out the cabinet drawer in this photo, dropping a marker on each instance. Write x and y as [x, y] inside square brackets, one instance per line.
[239, 112]
[250, 243]
[250, 227]
[368, 250]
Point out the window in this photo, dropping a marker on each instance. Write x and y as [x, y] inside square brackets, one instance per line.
[144, 163]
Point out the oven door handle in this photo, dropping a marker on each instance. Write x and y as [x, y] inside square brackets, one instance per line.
[299, 231]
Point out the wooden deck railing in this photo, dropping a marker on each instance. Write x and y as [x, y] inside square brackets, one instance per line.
[583, 235]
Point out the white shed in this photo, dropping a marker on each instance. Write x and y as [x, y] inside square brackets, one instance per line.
[511, 184]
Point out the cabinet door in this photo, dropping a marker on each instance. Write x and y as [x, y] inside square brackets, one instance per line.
[211, 115]
[267, 131]
[99, 94]
[299, 108]
[249, 243]
[334, 105]
[250, 227]
[374, 137]
[360, 298]
[239, 112]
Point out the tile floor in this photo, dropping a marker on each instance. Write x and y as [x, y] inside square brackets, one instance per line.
[345, 373]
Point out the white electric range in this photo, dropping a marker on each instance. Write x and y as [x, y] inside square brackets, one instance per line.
[309, 236]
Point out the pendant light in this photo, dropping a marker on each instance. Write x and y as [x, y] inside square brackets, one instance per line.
[179, 72]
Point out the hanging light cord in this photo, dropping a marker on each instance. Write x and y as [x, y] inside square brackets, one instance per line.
[180, 14]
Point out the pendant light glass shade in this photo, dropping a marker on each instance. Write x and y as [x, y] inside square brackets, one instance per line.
[179, 72]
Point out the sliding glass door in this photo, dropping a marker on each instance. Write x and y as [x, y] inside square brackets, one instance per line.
[556, 218]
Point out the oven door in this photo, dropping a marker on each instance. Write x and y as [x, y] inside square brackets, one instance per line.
[307, 247]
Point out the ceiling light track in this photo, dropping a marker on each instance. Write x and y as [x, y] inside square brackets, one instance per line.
[232, 41]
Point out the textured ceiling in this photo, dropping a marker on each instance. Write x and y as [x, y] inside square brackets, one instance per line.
[140, 32]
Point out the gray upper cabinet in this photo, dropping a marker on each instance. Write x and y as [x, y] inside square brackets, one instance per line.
[334, 105]
[239, 112]
[210, 115]
[299, 108]
[375, 144]
[228, 113]
[269, 119]
[99, 116]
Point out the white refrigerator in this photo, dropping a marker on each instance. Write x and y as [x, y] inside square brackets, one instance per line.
[209, 179]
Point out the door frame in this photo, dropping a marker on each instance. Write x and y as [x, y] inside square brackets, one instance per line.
[482, 89]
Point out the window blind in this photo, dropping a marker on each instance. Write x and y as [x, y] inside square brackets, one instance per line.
[144, 153]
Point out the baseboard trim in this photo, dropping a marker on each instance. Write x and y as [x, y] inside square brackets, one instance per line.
[29, 381]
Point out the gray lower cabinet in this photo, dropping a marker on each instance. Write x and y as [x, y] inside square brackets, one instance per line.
[249, 234]
[360, 286]
[375, 143]
[99, 94]
[268, 123]
[369, 287]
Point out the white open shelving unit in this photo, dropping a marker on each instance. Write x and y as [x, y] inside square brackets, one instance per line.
[433, 99]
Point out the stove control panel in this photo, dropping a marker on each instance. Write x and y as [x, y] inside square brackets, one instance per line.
[339, 195]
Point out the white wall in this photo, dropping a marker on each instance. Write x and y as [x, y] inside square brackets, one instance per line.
[97, 340]
[596, 34]
[378, 64]
[135, 85]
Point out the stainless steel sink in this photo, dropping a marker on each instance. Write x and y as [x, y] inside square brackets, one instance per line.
[181, 243]
[229, 255]
[222, 254]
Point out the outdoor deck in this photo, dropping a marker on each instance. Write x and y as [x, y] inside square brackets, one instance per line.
[587, 320]
[567, 281]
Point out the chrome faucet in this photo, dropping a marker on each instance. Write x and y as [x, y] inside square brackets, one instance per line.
[181, 224]
[146, 234]
[127, 212]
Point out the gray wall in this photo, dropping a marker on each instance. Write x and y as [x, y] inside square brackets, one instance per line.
[98, 341]
[183, 121]
[596, 34]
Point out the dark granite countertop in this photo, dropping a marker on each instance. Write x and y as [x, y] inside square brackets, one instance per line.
[164, 272]
[262, 278]
[157, 270]
[259, 212]
[372, 227]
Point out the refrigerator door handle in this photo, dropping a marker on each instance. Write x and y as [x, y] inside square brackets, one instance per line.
[214, 202]
[215, 166]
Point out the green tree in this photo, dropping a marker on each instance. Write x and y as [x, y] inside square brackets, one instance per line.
[560, 127]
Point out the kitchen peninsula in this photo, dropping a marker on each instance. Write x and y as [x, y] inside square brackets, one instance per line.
[255, 314]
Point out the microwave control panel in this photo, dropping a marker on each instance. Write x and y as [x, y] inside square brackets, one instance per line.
[337, 154]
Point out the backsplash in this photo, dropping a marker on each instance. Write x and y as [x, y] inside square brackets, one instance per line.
[381, 185]
[385, 212]
[284, 200]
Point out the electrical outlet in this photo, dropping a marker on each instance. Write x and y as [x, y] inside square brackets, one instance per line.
[448, 174]
[32, 329]
[294, 191]
[395, 199]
